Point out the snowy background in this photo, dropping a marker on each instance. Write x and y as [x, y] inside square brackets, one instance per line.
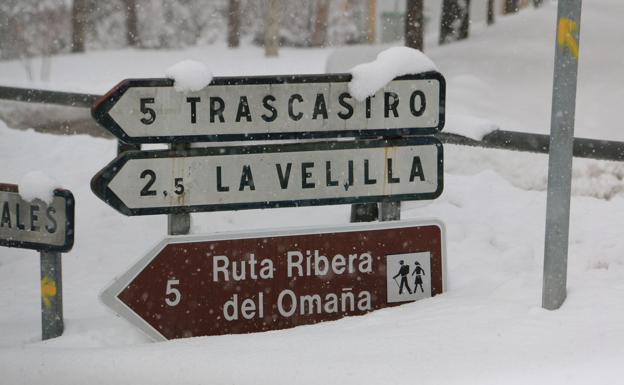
[488, 328]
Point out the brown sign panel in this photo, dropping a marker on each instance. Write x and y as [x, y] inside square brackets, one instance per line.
[244, 283]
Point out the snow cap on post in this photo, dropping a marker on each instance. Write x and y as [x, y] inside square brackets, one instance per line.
[368, 78]
[189, 75]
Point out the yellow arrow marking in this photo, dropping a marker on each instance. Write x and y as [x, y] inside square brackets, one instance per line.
[565, 36]
[48, 289]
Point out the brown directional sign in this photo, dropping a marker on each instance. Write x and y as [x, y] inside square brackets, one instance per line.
[270, 107]
[243, 283]
[36, 224]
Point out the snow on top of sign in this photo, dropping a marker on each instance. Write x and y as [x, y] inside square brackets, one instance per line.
[189, 75]
[37, 185]
[368, 78]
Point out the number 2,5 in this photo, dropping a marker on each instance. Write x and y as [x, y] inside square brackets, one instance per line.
[150, 176]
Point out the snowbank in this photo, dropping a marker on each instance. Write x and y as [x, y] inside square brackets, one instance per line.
[469, 126]
[368, 78]
[189, 75]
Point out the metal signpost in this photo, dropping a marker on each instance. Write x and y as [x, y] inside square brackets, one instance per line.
[270, 107]
[560, 158]
[48, 228]
[240, 283]
[250, 282]
[286, 175]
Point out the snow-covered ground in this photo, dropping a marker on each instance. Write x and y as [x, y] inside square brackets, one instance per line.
[488, 328]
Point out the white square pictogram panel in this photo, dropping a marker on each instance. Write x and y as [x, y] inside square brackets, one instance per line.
[408, 276]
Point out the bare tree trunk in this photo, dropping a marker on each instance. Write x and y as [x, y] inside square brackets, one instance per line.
[271, 28]
[511, 6]
[490, 12]
[234, 24]
[371, 29]
[132, 23]
[455, 20]
[414, 24]
[79, 25]
[319, 35]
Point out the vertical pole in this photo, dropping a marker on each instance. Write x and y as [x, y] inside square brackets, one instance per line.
[51, 295]
[389, 211]
[179, 224]
[560, 158]
[364, 212]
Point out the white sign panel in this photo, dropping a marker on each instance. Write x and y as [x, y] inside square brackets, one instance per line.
[210, 179]
[39, 225]
[298, 106]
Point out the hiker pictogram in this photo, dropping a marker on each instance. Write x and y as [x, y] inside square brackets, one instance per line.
[408, 276]
[403, 272]
[419, 272]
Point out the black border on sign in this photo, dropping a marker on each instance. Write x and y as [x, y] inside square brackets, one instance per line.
[101, 180]
[69, 227]
[100, 110]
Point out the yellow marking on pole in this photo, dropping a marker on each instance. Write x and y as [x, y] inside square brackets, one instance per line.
[48, 289]
[565, 36]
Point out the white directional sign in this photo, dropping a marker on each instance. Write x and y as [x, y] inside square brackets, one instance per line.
[231, 178]
[38, 225]
[270, 107]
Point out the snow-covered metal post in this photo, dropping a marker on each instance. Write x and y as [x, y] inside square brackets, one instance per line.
[560, 158]
[52, 324]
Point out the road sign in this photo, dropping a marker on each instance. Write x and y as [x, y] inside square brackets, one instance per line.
[36, 224]
[270, 107]
[285, 175]
[250, 282]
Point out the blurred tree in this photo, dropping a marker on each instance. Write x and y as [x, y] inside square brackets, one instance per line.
[511, 6]
[79, 25]
[454, 21]
[371, 29]
[342, 27]
[490, 12]
[234, 24]
[271, 27]
[319, 33]
[414, 24]
[31, 29]
[132, 23]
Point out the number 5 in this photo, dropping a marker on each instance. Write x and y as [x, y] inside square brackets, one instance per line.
[172, 290]
[147, 110]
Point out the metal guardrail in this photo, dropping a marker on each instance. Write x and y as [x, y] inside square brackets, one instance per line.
[30, 95]
[499, 139]
[539, 143]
